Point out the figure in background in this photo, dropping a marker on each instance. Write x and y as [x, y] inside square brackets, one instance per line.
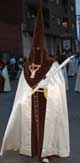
[12, 68]
[71, 68]
[77, 84]
[4, 78]
[38, 124]
[76, 64]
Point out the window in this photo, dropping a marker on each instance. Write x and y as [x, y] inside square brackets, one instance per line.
[73, 26]
[65, 23]
[32, 10]
[53, 17]
[57, 2]
[45, 0]
[65, 5]
[51, 0]
[72, 8]
[46, 17]
[58, 21]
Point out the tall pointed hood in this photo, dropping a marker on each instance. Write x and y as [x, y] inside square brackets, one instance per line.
[38, 33]
[39, 62]
[36, 54]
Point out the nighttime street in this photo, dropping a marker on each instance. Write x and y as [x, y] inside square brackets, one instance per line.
[6, 102]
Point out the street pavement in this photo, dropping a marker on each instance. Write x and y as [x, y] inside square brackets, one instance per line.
[73, 98]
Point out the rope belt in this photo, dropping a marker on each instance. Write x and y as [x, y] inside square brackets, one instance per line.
[45, 91]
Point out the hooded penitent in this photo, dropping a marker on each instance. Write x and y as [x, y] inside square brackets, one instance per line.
[39, 62]
[35, 69]
[38, 125]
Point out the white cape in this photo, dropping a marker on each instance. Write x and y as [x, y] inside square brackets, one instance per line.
[56, 130]
[7, 81]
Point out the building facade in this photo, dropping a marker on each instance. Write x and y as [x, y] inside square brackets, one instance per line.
[10, 28]
[59, 22]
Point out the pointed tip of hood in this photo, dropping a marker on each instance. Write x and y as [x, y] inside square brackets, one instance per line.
[38, 33]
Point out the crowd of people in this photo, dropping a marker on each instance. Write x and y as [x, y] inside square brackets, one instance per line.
[13, 69]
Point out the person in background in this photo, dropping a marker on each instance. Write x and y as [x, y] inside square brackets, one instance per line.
[12, 68]
[4, 77]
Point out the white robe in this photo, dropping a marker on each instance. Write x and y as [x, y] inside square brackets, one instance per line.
[56, 130]
[6, 77]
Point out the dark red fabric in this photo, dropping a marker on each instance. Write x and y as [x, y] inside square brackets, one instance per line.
[37, 147]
